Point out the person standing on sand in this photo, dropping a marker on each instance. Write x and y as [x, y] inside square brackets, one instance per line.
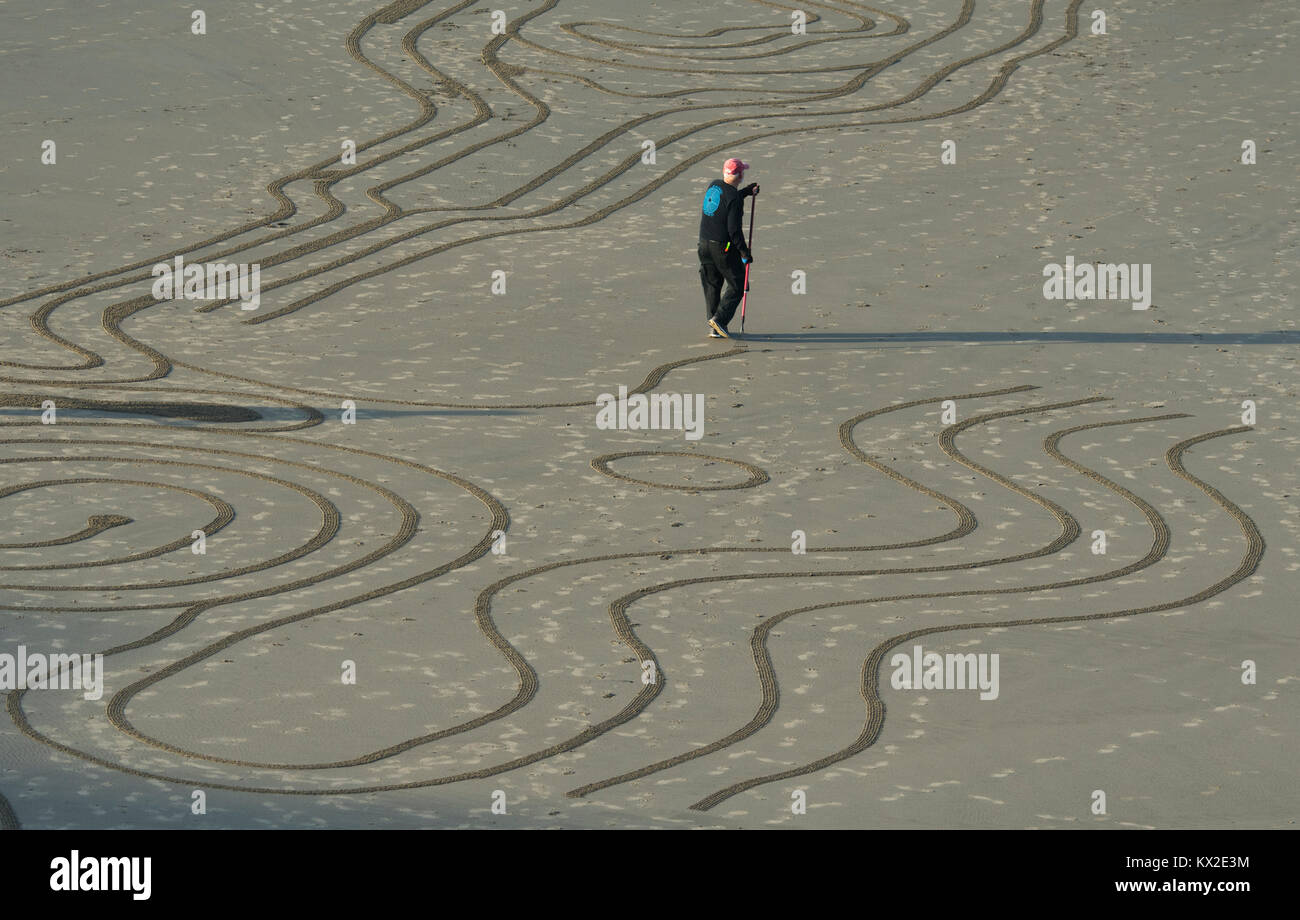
[722, 249]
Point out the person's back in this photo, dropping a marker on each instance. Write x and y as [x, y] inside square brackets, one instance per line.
[720, 214]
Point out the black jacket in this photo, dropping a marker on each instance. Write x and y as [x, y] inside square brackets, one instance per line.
[721, 215]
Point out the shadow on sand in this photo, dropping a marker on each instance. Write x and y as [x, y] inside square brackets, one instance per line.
[1278, 337]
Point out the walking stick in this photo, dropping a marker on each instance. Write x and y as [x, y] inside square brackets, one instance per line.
[745, 299]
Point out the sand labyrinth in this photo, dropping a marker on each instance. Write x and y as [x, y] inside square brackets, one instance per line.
[86, 453]
[107, 501]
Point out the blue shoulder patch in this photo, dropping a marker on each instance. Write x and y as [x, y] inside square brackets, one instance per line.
[712, 198]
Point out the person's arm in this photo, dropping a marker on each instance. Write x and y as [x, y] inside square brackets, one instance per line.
[735, 228]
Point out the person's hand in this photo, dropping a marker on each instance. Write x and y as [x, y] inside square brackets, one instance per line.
[751, 189]
[746, 257]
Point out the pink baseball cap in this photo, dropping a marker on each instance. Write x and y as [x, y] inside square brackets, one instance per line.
[734, 166]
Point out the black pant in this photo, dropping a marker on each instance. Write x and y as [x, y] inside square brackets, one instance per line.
[717, 266]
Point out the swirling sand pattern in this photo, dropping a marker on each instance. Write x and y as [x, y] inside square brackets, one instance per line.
[787, 86]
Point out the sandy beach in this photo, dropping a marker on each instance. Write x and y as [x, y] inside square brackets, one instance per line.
[361, 552]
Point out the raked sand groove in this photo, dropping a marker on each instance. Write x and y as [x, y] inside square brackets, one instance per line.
[1254, 552]
[757, 476]
[758, 642]
[618, 613]
[95, 525]
[114, 316]
[528, 682]
[631, 162]
[527, 677]
[328, 526]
